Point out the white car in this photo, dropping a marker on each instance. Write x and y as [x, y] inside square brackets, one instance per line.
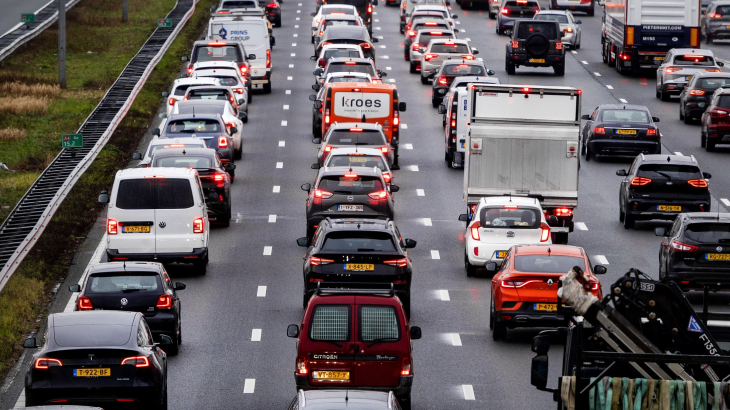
[221, 107]
[420, 42]
[337, 50]
[678, 67]
[331, 9]
[164, 143]
[441, 9]
[439, 50]
[499, 222]
[229, 75]
[180, 87]
[359, 157]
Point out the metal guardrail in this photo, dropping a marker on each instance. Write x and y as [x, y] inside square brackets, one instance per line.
[34, 211]
[24, 32]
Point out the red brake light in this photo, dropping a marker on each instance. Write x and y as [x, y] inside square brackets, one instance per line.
[562, 212]
[599, 131]
[431, 24]
[111, 227]
[327, 148]
[640, 181]
[696, 92]
[378, 194]
[429, 57]
[511, 283]
[136, 361]
[190, 70]
[198, 225]
[84, 303]
[223, 11]
[218, 177]
[651, 132]
[473, 208]
[321, 193]
[171, 101]
[411, 33]
[238, 90]
[268, 58]
[673, 69]
[595, 285]
[515, 44]
[384, 149]
[408, 26]
[525, 90]
[558, 46]
[406, 369]
[505, 11]
[320, 33]
[272, 6]
[475, 230]
[467, 56]
[717, 113]
[350, 175]
[713, 70]
[442, 80]
[415, 46]
[355, 129]
[436, 33]
[302, 365]
[217, 43]
[365, 45]
[545, 234]
[510, 206]
[350, 63]
[715, 16]
[683, 247]
[568, 30]
[370, 8]
[386, 177]
[164, 302]
[222, 141]
[698, 183]
[315, 261]
[45, 363]
[243, 69]
[398, 263]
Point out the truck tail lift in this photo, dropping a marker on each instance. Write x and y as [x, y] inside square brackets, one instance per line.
[641, 329]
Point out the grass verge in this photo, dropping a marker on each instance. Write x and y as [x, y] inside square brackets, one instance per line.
[33, 140]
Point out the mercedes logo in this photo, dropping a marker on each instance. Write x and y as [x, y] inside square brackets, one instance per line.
[719, 248]
[162, 224]
[350, 198]
[124, 301]
[550, 282]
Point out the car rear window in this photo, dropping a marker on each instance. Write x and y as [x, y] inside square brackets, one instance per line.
[713, 83]
[512, 218]
[330, 323]
[669, 171]
[346, 185]
[429, 25]
[708, 232]
[521, 4]
[527, 28]
[182, 89]
[625, 116]
[379, 323]
[367, 161]
[330, 23]
[207, 95]
[219, 53]
[155, 193]
[156, 148]
[430, 35]
[463, 69]
[694, 59]
[348, 80]
[560, 18]
[449, 48]
[225, 81]
[442, 13]
[337, 10]
[351, 68]
[356, 138]
[193, 126]
[238, 4]
[127, 282]
[356, 3]
[184, 162]
[723, 101]
[341, 53]
[358, 241]
[92, 335]
[547, 264]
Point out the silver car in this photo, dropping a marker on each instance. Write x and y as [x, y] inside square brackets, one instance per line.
[679, 66]
[420, 42]
[353, 134]
[715, 23]
[440, 50]
[568, 25]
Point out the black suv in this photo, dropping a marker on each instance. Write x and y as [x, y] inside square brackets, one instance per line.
[135, 287]
[660, 187]
[358, 253]
[536, 43]
[696, 251]
[342, 192]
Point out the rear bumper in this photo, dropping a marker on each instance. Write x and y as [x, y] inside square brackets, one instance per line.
[402, 389]
[719, 136]
[163, 323]
[697, 277]
[624, 147]
[674, 87]
[646, 209]
[194, 256]
[524, 60]
[526, 316]
[144, 396]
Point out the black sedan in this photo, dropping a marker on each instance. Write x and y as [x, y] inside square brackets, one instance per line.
[620, 129]
[135, 287]
[695, 97]
[97, 358]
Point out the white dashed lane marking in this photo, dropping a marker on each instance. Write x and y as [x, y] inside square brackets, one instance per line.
[388, 68]
[601, 259]
[427, 222]
[277, 189]
[385, 57]
[267, 250]
[725, 201]
[296, 26]
[293, 44]
[293, 54]
[610, 87]
[255, 335]
[404, 126]
[279, 165]
[468, 391]
[623, 101]
[291, 65]
[296, 35]
[573, 51]
[444, 295]
[383, 46]
[286, 107]
[584, 62]
[282, 143]
[272, 219]
[289, 78]
[455, 339]
[409, 146]
[435, 254]
[249, 385]
[288, 92]
[581, 226]
[414, 168]
[299, 11]
[392, 80]
[376, 20]
[297, 18]
[261, 291]
[597, 74]
[283, 123]
[420, 192]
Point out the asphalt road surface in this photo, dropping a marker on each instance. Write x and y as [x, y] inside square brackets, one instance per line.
[12, 9]
[235, 352]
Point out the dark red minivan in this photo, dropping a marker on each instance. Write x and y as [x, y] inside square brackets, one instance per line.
[355, 339]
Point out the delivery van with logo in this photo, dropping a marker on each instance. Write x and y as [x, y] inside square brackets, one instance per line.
[364, 102]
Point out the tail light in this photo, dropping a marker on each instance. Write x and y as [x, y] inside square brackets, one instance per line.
[268, 58]
[327, 117]
[505, 11]
[320, 33]
[396, 120]
[640, 181]
[365, 46]
[301, 365]
[651, 132]
[515, 44]
[429, 57]
[442, 80]
[45, 363]
[511, 283]
[350, 62]
[164, 302]
[510, 206]
[378, 194]
[370, 8]
[198, 226]
[243, 69]
[406, 369]
[136, 361]
[408, 26]
[698, 183]
[190, 70]
[683, 247]
[415, 46]
[599, 131]
[222, 142]
[545, 234]
[453, 123]
[384, 149]
[238, 90]
[387, 177]
[715, 16]
[475, 230]
[84, 303]
[467, 56]
[473, 208]
[218, 177]
[229, 125]
[272, 6]
[562, 212]
[223, 11]
[696, 92]
[713, 70]
[411, 33]
[673, 69]
[558, 45]
[568, 30]
[327, 148]
[351, 175]
[315, 261]
[717, 113]
[398, 263]
[321, 193]
[111, 227]
[171, 101]
[595, 286]
[537, 10]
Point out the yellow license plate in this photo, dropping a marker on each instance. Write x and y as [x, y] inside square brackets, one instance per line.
[658, 58]
[718, 256]
[550, 307]
[359, 266]
[92, 372]
[327, 375]
[501, 254]
[358, 159]
[626, 132]
[670, 208]
[537, 60]
[135, 229]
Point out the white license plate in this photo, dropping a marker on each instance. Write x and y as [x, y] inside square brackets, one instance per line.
[349, 208]
[259, 81]
[257, 86]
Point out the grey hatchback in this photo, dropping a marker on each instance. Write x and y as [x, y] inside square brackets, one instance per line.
[208, 127]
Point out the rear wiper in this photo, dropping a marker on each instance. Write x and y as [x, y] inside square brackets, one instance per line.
[365, 250]
[667, 176]
[330, 341]
[385, 339]
[130, 290]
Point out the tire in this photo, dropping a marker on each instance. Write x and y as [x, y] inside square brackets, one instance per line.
[237, 154]
[577, 46]
[687, 119]
[621, 215]
[589, 154]
[681, 114]
[703, 139]
[405, 402]
[561, 238]
[663, 95]
[620, 68]
[250, 96]
[500, 330]
[559, 70]
[471, 270]
[709, 40]
[412, 69]
[509, 67]
[201, 267]
[227, 217]
[406, 301]
[267, 88]
[312, 39]
[604, 52]
[232, 173]
[447, 158]
[174, 349]
[406, 55]
[628, 220]
[492, 16]
[424, 80]
[499, 32]
[491, 316]
[709, 146]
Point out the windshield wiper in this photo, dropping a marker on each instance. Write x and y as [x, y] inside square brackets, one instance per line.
[385, 339]
[130, 290]
[330, 341]
[667, 176]
[365, 250]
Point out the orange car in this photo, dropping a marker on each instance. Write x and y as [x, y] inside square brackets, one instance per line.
[525, 289]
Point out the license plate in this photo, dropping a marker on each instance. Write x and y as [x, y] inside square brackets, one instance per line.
[550, 307]
[537, 60]
[687, 77]
[658, 58]
[670, 208]
[349, 208]
[501, 254]
[135, 229]
[327, 375]
[358, 159]
[626, 132]
[92, 372]
[359, 266]
[717, 256]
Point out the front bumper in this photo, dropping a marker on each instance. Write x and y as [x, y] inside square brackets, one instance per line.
[196, 255]
[402, 390]
[624, 147]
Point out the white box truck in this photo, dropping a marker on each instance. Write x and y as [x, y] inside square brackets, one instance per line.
[524, 140]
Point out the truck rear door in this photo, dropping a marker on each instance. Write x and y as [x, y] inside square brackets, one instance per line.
[380, 342]
[376, 106]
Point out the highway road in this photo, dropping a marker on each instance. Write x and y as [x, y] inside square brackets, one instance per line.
[235, 352]
[12, 9]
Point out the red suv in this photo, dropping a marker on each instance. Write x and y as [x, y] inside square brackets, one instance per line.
[716, 120]
[355, 339]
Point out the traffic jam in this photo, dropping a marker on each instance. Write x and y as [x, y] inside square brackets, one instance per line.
[507, 263]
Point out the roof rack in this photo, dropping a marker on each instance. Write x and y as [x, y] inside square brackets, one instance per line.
[339, 291]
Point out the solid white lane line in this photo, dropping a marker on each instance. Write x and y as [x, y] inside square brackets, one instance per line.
[597, 74]
[678, 153]
[249, 385]
[286, 107]
[261, 292]
[282, 143]
[725, 201]
[584, 62]
[468, 391]
[435, 254]
[409, 146]
[610, 87]
[427, 222]
[420, 192]
[255, 335]
[272, 219]
[280, 165]
[444, 294]
[573, 51]
[455, 339]
[283, 123]
[277, 189]
[288, 91]
[601, 259]
[267, 250]
[414, 168]
[581, 226]
[623, 101]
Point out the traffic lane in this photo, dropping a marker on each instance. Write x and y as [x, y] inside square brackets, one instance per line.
[12, 10]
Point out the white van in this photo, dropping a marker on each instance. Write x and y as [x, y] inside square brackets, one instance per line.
[253, 32]
[157, 215]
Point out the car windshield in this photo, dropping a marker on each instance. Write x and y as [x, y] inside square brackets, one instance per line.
[625, 116]
[351, 68]
[360, 185]
[154, 193]
[352, 241]
[193, 126]
[207, 95]
[512, 218]
[106, 283]
[379, 322]
[547, 263]
[430, 35]
[713, 84]
[348, 80]
[560, 18]
[186, 161]
[345, 137]
[694, 59]
[669, 171]
[530, 27]
[330, 323]
[463, 69]
[339, 52]
[217, 53]
[708, 232]
[225, 81]
[450, 48]
[356, 160]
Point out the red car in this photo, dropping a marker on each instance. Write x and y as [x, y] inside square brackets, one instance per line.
[716, 120]
[525, 289]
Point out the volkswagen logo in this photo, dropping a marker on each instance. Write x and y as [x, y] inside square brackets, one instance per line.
[124, 301]
[719, 248]
[162, 224]
[350, 198]
[550, 282]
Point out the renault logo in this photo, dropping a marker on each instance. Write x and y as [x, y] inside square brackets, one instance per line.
[350, 198]
[124, 301]
[719, 248]
[550, 282]
[162, 224]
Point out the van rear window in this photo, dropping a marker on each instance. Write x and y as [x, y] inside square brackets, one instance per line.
[517, 218]
[182, 89]
[192, 126]
[208, 95]
[238, 4]
[220, 53]
[330, 323]
[155, 193]
[379, 323]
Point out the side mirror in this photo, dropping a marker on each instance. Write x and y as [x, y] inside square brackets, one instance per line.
[74, 288]
[313, 97]
[464, 217]
[382, 73]
[165, 340]
[454, 16]
[474, 51]
[184, 58]
[252, 56]
[241, 101]
[491, 267]
[410, 243]
[415, 332]
[552, 220]
[156, 132]
[292, 331]
[401, 106]
[272, 41]
[315, 166]
[30, 343]
[539, 372]
[104, 197]
[442, 109]
[165, 94]
[315, 87]
[721, 64]
[313, 58]
[163, 115]
[318, 72]
[621, 172]
[394, 188]
[375, 40]
[491, 72]
[655, 119]
[541, 344]
[243, 116]
[303, 242]
[599, 270]
[179, 286]
[585, 117]
[234, 129]
[578, 22]
[660, 231]
[316, 140]
[306, 187]
[706, 175]
[229, 167]
[136, 156]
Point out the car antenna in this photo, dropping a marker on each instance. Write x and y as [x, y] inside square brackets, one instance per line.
[669, 158]
[184, 152]
[346, 391]
[125, 262]
[549, 251]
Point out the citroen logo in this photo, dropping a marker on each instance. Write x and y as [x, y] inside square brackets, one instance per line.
[162, 224]
[350, 198]
[124, 301]
[719, 248]
[550, 282]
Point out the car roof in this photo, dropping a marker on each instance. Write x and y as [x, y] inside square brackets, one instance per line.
[134, 173]
[337, 6]
[700, 51]
[217, 42]
[184, 141]
[507, 200]
[711, 74]
[622, 107]
[425, 30]
[201, 103]
[94, 317]
[365, 224]
[564, 250]
[194, 80]
[664, 159]
[563, 12]
[708, 216]
[363, 85]
[202, 64]
[180, 152]
[345, 46]
[368, 172]
[457, 61]
[208, 87]
[346, 32]
[427, 17]
[340, 17]
[358, 60]
[462, 81]
[126, 267]
[430, 7]
[359, 150]
[206, 116]
[363, 125]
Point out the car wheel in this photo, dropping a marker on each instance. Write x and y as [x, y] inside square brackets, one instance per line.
[405, 402]
[589, 154]
[250, 97]
[227, 217]
[500, 331]
[435, 102]
[424, 80]
[174, 348]
[163, 405]
[664, 96]
[687, 119]
[471, 270]
[267, 88]
[559, 70]
[413, 68]
[681, 112]
[621, 214]
[238, 153]
[232, 173]
[583, 148]
[509, 67]
[628, 220]
[709, 39]
[703, 139]
[491, 314]
[709, 146]
[201, 267]
[561, 238]
[406, 55]
[620, 68]
[577, 46]
[312, 39]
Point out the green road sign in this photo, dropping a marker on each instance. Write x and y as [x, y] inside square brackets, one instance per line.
[27, 18]
[72, 141]
[163, 23]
